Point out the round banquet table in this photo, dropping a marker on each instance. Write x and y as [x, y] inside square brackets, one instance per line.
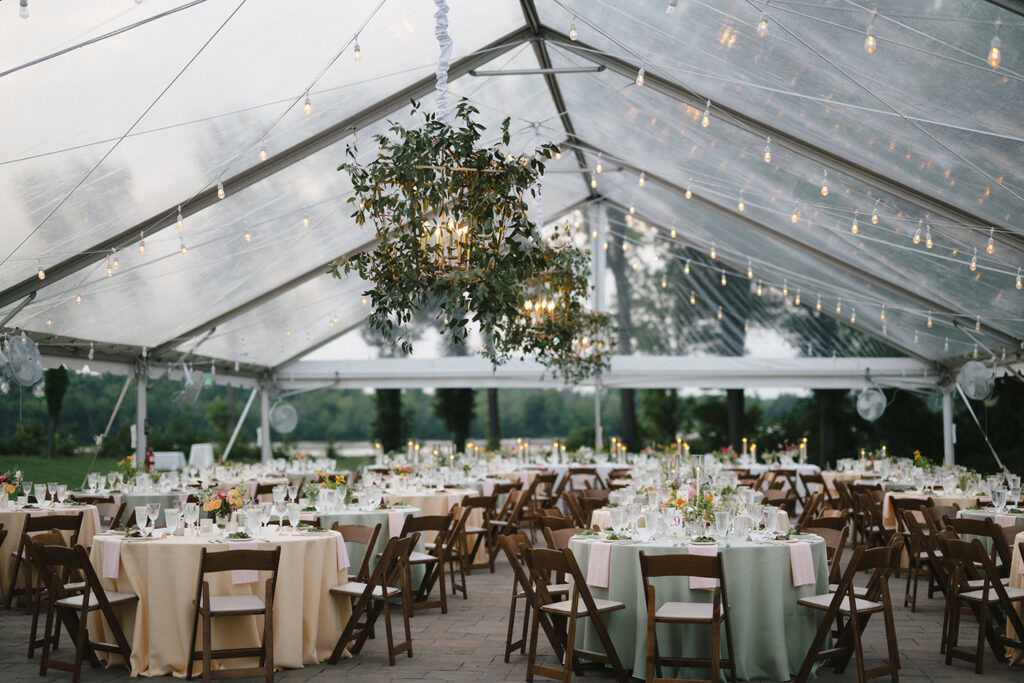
[166, 500]
[432, 502]
[889, 517]
[391, 522]
[770, 631]
[163, 572]
[13, 521]
[1017, 581]
[1000, 519]
[602, 519]
[759, 469]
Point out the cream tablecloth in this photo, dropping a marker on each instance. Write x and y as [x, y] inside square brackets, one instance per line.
[889, 517]
[163, 573]
[14, 523]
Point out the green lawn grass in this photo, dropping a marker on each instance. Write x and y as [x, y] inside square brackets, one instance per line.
[63, 470]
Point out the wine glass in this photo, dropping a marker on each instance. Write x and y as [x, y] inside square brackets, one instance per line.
[771, 519]
[152, 511]
[172, 517]
[999, 498]
[279, 493]
[191, 515]
[723, 520]
[264, 514]
[632, 516]
[293, 493]
[294, 514]
[62, 492]
[51, 488]
[40, 491]
[252, 521]
[141, 514]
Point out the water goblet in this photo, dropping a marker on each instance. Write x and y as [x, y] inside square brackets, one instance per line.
[279, 493]
[51, 488]
[191, 515]
[999, 498]
[723, 519]
[264, 515]
[62, 492]
[771, 519]
[632, 516]
[141, 514]
[153, 512]
[40, 491]
[293, 492]
[618, 519]
[252, 521]
[294, 514]
[172, 517]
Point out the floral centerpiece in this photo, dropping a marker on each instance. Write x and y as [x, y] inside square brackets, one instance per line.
[10, 481]
[126, 466]
[220, 503]
[402, 470]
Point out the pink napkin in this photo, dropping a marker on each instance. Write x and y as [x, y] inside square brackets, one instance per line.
[1006, 520]
[488, 488]
[250, 488]
[343, 563]
[243, 575]
[396, 520]
[111, 558]
[707, 550]
[599, 564]
[96, 528]
[800, 563]
[454, 499]
[307, 516]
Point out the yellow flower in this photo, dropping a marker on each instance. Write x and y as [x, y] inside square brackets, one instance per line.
[131, 458]
[211, 505]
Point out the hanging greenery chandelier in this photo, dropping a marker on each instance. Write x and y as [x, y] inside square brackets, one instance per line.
[453, 227]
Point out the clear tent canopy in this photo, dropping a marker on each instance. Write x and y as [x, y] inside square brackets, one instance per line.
[168, 182]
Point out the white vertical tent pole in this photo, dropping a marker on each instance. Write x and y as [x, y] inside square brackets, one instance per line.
[948, 457]
[266, 454]
[238, 425]
[597, 220]
[141, 379]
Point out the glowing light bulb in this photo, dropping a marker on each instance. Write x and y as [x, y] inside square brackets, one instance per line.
[839, 305]
[853, 316]
[357, 54]
[593, 183]
[573, 33]
[693, 298]
[1019, 282]
[220, 190]
[991, 246]
[689, 189]
[307, 106]
[672, 233]
[142, 244]
[795, 216]
[746, 325]
[49, 323]
[41, 274]
[23, 9]
[248, 237]
[263, 152]
[632, 209]
[686, 269]
[663, 284]
[768, 150]
[870, 42]
[928, 236]
[762, 26]
[243, 341]
[750, 271]
[640, 77]
[740, 205]
[558, 156]
[642, 179]
[855, 226]
[305, 221]
[705, 120]
[724, 282]
[977, 324]
[184, 249]
[974, 260]
[929, 320]
[785, 287]
[995, 51]
[117, 263]
[625, 246]
[759, 290]
[598, 168]
[885, 328]
[719, 315]
[945, 345]
[110, 270]
[796, 300]
[78, 300]
[606, 245]
[824, 184]
[713, 254]
[874, 213]
[917, 233]
[181, 219]
[817, 306]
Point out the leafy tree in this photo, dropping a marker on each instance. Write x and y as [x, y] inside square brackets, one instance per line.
[56, 385]
[660, 415]
[390, 426]
[454, 407]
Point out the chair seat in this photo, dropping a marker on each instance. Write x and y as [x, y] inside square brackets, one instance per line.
[113, 597]
[858, 591]
[356, 588]
[980, 583]
[822, 602]
[76, 586]
[416, 557]
[685, 611]
[565, 607]
[1014, 594]
[471, 530]
[234, 604]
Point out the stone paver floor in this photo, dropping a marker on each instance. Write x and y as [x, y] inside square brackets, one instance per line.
[467, 644]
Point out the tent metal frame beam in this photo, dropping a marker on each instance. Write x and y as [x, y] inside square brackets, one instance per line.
[791, 142]
[323, 342]
[265, 169]
[739, 267]
[813, 252]
[540, 49]
[1013, 6]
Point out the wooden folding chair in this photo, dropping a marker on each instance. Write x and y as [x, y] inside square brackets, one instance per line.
[790, 477]
[711, 614]
[818, 480]
[572, 504]
[555, 523]
[480, 535]
[918, 552]
[72, 609]
[543, 495]
[433, 560]
[811, 508]
[837, 523]
[558, 539]
[843, 606]
[875, 531]
[207, 607]
[522, 589]
[34, 525]
[982, 528]
[784, 500]
[40, 592]
[454, 551]
[835, 542]
[543, 563]
[364, 535]
[994, 605]
[935, 516]
[388, 580]
[583, 477]
[105, 506]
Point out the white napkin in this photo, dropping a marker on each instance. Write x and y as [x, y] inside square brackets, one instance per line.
[599, 565]
[111, 558]
[801, 564]
[243, 575]
[396, 520]
[487, 488]
[707, 550]
[343, 562]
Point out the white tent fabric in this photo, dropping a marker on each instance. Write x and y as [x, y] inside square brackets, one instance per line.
[103, 143]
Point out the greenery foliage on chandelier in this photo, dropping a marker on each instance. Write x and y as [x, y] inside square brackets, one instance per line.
[452, 226]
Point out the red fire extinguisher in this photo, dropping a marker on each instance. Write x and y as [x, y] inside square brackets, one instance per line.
[150, 460]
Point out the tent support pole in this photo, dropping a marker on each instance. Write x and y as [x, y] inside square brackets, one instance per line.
[948, 458]
[110, 422]
[266, 453]
[141, 377]
[238, 425]
[598, 436]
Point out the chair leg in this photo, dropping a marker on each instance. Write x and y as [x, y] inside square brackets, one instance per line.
[268, 644]
[954, 630]
[526, 627]
[716, 645]
[207, 646]
[979, 655]
[570, 646]
[531, 661]
[387, 630]
[192, 643]
[511, 625]
[858, 648]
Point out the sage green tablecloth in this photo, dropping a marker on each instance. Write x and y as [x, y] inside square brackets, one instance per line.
[770, 631]
[987, 513]
[370, 518]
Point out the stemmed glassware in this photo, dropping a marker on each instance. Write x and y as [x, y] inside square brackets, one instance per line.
[172, 517]
[191, 515]
[999, 498]
[51, 488]
[153, 512]
[264, 515]
[40, 491]
[294, 514]
[293, 494]
[771, 519]
[723, 521]
[141, 516]
[62, 492]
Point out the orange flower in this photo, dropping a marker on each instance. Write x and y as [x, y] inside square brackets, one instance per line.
[211, 505]
[710, 497]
